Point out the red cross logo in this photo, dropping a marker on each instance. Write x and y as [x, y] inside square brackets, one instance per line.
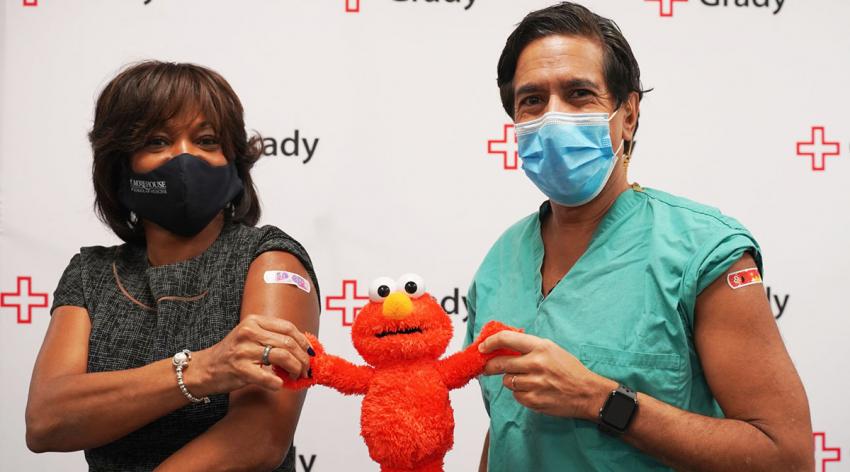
[23, 300]
[506, 147]
[818, 149]
[352, 6]
[349, 301]
[665, 7]
[30, 3]
[825, 454]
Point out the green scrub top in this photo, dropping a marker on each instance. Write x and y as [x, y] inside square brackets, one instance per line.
[625, 310]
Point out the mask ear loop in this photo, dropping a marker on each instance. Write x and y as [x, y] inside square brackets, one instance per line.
[626, 155]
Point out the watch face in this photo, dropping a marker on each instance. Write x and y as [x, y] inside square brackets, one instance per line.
[619, 411]
[180, 358]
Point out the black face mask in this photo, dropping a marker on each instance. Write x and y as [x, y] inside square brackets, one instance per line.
[183, 195]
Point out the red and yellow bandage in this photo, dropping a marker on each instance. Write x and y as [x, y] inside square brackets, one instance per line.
[745, 277]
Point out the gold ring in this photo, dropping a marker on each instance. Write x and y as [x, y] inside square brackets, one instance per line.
[513, 382]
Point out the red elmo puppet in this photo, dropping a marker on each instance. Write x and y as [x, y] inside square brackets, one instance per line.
[406, 419]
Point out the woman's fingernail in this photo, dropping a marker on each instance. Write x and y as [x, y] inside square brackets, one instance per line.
[311, 351]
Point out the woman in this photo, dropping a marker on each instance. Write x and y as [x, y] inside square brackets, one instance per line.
[155, 350]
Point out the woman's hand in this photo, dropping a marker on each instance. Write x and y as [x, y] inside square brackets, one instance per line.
[236, 360]
[546, 378]
[314, 372]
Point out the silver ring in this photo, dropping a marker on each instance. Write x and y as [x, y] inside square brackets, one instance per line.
[513, 382]
[266, 352]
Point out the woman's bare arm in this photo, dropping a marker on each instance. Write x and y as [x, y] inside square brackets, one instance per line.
[259, 427]
[69, 409]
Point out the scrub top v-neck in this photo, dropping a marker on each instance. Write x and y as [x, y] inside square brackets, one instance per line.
[625, 310]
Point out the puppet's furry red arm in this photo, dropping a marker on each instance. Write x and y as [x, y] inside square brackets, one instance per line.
[463, 366]
[331, 371]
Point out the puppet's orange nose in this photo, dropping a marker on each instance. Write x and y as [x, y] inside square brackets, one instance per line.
[397, 306]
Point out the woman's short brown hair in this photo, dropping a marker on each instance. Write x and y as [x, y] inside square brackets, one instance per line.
[142, 98]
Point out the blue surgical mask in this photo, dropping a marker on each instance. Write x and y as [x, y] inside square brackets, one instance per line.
[568, 156]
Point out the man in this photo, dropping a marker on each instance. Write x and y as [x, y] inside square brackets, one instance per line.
[649, 343]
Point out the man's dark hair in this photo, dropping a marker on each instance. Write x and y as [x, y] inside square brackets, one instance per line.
[620, 68]
[141, 99]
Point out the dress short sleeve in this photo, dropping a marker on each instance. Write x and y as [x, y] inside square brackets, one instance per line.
[69, 292]
[274, 239]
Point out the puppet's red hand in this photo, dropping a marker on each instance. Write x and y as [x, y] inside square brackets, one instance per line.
[489, 329]
[313, 373]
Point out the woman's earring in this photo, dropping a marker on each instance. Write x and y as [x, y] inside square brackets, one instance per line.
[133, 218]
[232, 208]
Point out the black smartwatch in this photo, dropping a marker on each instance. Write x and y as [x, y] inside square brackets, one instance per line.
[618, 411]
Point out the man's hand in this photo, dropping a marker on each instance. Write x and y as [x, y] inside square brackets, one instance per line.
[546, 378]
[489, 330]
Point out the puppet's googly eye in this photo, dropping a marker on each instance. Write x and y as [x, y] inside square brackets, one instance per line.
[381, 288]
[412, 284]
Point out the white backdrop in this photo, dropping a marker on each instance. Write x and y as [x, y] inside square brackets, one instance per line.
[401, 96]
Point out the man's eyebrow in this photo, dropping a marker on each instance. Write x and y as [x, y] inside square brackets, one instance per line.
[570, 84]
[528, 88]
[579, 83]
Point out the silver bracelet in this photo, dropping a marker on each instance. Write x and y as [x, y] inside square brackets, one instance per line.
[180, 362]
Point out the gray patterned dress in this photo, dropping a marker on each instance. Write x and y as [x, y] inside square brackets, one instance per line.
[141, 314]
